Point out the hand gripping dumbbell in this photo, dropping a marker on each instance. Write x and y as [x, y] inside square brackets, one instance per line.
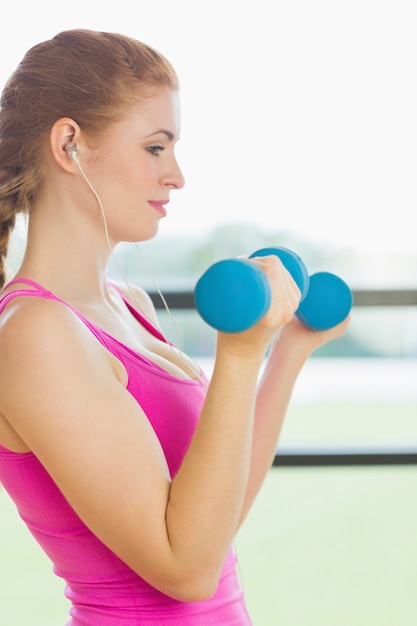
[234, 294]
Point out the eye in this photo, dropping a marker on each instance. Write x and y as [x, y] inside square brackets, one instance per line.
[155, 150]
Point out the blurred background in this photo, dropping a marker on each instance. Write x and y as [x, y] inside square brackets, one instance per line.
[299, 129]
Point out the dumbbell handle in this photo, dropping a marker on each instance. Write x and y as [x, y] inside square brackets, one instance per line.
[234, 294]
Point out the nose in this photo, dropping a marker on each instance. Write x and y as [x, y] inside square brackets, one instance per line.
[174, 178]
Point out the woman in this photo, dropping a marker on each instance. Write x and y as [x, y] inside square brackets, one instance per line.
[132, 471]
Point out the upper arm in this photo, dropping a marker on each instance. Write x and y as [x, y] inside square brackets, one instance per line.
[60, 393]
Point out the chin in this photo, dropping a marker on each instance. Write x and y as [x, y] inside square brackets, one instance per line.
[144, 235]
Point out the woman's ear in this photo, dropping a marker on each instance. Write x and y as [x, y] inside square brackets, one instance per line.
[63, 133]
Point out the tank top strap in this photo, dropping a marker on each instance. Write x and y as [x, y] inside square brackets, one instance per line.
[38, 291]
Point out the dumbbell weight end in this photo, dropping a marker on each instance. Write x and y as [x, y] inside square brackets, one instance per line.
[232, 295]
[327, 303]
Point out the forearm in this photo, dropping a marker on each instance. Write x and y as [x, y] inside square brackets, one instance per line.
[274, 394]
[288, 354]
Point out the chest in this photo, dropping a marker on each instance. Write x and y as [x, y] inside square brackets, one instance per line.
[124, 327]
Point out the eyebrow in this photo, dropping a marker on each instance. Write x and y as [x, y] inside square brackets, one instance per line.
[162, 131]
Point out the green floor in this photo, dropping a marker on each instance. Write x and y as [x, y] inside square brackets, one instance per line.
[333, 547]
[321, 547]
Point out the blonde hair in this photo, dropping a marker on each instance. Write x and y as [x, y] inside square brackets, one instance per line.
[89, 76]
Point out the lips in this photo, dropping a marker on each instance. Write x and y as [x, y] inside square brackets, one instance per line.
[159, 205]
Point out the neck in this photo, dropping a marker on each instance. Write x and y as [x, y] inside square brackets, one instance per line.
[66, 255]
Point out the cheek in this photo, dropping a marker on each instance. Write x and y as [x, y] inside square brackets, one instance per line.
[118, 182]
[138, 177]
[144, 172]
[124, 185]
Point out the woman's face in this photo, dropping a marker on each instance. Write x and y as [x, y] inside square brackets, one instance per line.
[135, 169]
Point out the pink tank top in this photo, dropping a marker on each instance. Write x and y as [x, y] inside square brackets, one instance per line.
[103, 590]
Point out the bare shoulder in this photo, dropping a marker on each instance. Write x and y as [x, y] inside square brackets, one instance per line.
[39, 339]
[30, 322]
[141, 299]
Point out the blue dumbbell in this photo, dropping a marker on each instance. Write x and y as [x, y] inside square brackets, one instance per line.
[234, 294]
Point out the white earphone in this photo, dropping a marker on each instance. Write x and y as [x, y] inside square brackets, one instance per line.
[71, 150]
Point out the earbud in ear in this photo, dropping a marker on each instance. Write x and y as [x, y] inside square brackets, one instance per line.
[71, 150]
